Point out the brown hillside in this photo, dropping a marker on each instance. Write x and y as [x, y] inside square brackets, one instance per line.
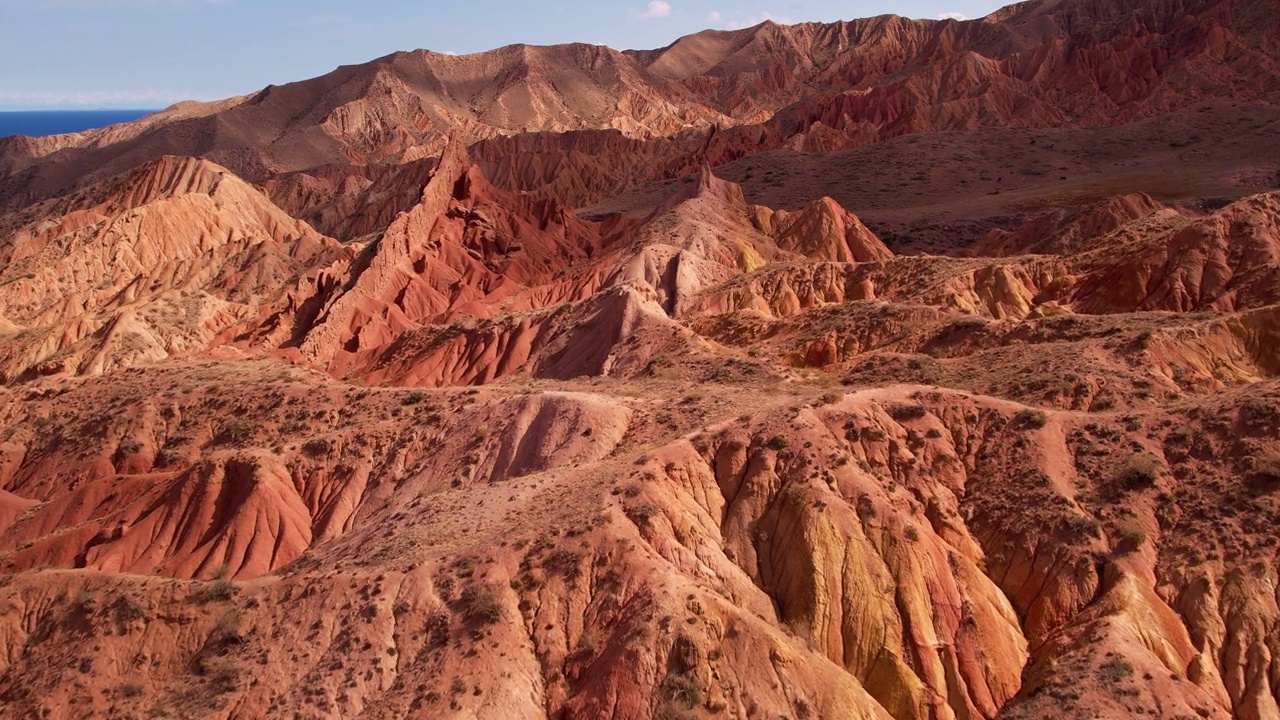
[884, 369]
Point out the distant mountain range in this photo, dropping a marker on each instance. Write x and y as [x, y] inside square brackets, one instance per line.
[1039, 64]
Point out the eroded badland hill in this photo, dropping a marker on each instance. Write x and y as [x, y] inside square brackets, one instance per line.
[880, 369]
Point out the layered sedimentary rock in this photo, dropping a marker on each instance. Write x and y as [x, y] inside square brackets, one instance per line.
[156, 263]
[813, 86]
[401, 433]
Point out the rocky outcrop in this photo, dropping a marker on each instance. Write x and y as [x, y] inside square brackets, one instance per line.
[827, 232]
[465, 248]
[1076, 229]
[155, 263]
[1225, 261]
[415, 306]
[491, 457]
[953, 560]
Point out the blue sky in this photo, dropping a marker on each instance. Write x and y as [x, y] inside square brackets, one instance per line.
[73, 54]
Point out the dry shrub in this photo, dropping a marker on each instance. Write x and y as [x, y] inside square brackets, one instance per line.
[1129, 535]
[481, 604]
[1030, 419]
[1139, 470]
[1266, 464]
[903, 413]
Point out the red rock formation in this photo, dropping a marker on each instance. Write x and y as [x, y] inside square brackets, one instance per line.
[452, 257]
[1073, 229]
[1228, 260]
[465, 248]
[1048, 64]
[826, 231]
[493, 459]
[152, 264]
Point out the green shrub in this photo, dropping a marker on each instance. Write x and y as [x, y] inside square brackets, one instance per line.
[1258, 410]
[316, 446]
[1129, 535]
[682, 690]
[128, 608]
[1083, 525]
[1102, 401]
[220, 588]
[642, 512]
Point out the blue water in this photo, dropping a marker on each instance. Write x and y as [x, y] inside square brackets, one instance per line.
[56, 122]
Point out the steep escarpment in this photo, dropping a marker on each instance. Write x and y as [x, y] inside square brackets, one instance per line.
[473, 283]
[464, 248]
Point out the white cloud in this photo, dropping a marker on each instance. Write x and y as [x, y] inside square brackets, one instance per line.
[952, 16]
[656, 9]
[713, 16]
[58, 4]
[320, 20]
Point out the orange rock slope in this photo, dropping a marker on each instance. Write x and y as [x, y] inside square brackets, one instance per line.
[723, 95]
[478, 454]
[634, 545]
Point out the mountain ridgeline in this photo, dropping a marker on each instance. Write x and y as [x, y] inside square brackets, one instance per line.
[885, 369]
